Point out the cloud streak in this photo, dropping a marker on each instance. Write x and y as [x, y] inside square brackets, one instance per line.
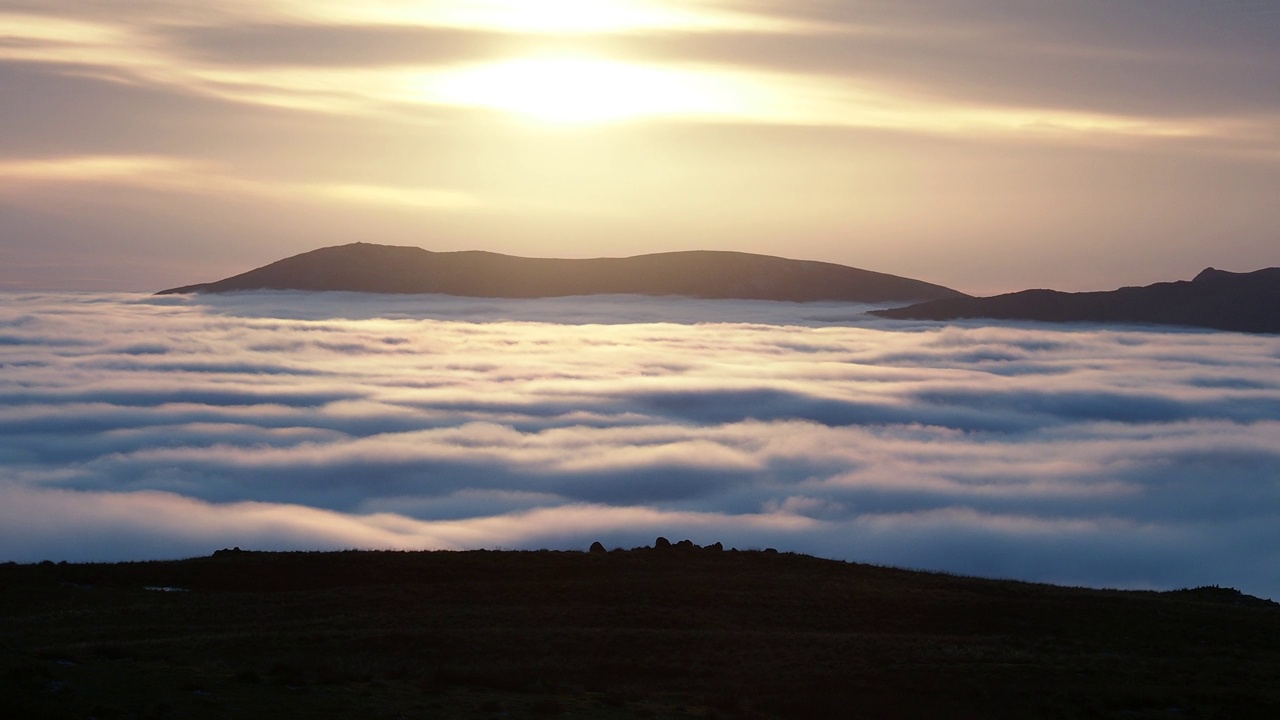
[916, 67]
[137, 426]
[191, 140]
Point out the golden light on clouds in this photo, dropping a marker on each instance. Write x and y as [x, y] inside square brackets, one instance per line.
[582, 89]
[558, 88]
[206, 178]
[82, 169]
[660, 124]
[36, 38]
[546, 16]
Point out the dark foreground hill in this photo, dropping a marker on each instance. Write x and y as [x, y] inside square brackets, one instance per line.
[679, 632]
[1215, 299]
[362, 267]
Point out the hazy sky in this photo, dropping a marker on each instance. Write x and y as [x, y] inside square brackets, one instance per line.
[988, 145]
[135, 427]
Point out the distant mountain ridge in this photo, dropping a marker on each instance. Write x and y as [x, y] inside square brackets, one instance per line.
[364, 267]
[1214, 299]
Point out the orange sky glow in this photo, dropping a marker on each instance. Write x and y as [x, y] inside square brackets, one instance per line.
[987, 145]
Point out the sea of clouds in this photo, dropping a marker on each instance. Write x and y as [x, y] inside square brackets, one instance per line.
[137, 427]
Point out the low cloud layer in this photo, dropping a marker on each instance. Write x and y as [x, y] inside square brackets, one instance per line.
[136, 427]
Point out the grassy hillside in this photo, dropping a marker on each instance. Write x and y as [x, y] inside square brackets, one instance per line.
[679, 632]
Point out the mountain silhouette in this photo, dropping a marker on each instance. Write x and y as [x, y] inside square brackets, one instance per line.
[364, 267]
[1215, 299]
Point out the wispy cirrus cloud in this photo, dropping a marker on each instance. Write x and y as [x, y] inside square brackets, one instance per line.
[147, 427]
[905, 67]
[170, 174]
[1069, 140]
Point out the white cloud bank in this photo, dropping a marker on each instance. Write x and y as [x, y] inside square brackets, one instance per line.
[136, 427]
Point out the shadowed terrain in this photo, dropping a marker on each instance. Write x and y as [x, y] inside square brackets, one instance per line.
[1215, 299]
[674, 631]
[362, 267]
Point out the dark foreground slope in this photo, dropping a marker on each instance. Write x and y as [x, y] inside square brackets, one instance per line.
[361, 267]
[675, 633]
[1215, 299]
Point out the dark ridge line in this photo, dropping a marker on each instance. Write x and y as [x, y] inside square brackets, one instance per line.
[1215, 300]
[703, 274]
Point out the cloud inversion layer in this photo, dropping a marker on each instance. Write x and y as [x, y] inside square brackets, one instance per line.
[137, 427]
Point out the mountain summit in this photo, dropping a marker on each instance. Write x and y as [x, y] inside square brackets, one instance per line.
[363, 267]
[1215, 299]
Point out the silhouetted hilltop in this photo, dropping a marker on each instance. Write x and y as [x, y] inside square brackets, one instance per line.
[671, 630]
[362, 267]
[1216, 299]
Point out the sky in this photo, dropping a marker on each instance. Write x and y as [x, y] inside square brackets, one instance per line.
[986, 145]
[138, 427]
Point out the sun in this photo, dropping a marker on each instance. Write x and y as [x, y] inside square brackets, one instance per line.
[585, 90]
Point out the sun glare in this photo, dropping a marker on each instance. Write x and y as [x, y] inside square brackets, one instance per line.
[588, 90]
[569, 15]
[546, 16]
